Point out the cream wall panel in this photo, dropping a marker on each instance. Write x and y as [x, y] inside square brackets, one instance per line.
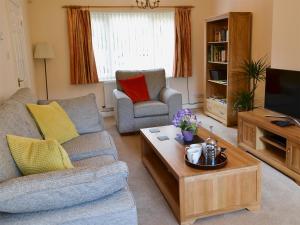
[286, 35]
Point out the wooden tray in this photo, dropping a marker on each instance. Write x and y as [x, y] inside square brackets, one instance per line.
[196, 140]
[221, 161]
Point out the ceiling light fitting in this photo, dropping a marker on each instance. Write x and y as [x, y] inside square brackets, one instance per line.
[144, 4]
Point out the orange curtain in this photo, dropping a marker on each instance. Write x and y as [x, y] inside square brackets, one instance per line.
[183, 47]
[82, 64]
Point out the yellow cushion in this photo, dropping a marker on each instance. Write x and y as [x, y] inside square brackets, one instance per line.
[38, 156]
[53, 122]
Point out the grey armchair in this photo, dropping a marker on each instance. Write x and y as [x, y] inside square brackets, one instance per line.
[159, 111]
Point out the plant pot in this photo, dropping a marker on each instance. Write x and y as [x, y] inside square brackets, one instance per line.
[187, 135]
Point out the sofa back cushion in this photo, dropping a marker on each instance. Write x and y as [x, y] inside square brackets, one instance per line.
[16, 120]
[155, 79]
[83, 112]
[24, 96]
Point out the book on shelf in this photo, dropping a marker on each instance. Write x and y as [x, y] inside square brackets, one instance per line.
[217, 54]
[223, 55]
[227, 35]
[224, 82]
[221, 35]
[219, 99]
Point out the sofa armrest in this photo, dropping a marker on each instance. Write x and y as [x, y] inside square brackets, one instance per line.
[124, 111]
[60, 189]
[173, 99]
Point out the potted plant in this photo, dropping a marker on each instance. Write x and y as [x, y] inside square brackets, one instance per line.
[185, 120]
[243, 101]
[255, 72]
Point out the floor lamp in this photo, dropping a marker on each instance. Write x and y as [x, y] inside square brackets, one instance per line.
[44, 51]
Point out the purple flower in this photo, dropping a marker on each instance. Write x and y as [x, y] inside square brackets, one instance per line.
[185, 119]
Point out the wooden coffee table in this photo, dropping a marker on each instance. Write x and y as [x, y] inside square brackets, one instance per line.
[192, 193]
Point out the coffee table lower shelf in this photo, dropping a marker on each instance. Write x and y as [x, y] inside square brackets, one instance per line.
[205, 194]
[167, 184]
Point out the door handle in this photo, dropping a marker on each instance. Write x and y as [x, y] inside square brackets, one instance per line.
[20, 81]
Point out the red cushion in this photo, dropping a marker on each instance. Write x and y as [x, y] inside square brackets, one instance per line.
[136, 88]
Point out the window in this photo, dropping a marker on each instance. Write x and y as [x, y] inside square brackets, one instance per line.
[133, 41]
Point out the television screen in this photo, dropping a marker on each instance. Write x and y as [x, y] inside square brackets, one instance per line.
[283, 92]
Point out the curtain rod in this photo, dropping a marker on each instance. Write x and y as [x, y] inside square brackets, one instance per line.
[123, 6]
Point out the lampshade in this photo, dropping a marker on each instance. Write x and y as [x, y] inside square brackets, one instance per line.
[43, 51]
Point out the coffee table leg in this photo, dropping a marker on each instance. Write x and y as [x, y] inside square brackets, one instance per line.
[254, 208]
[188, 222]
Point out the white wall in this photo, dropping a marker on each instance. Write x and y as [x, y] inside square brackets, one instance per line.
[286, 35]
[48, 24]
[8, 75]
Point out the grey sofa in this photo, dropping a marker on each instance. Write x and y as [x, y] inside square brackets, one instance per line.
[94, 192]
[164, 103]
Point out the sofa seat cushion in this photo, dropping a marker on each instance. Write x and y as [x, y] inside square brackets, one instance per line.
[60, 189]
[150, 108]
[116, 209]
[91, 145]
[98, 161]
[16, 120]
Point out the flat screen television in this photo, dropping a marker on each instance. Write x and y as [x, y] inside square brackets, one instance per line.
[282, 93]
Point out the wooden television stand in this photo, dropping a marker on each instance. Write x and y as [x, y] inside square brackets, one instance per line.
[277, 146]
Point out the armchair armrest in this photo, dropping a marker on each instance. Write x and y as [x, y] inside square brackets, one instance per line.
[121, 96]
[173, 99]
[60, 189]
[167, 95]
[124, 111]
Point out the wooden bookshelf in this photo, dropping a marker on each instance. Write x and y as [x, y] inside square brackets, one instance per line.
[228, 44]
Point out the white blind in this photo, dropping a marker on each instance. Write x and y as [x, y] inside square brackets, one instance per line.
[133, 41]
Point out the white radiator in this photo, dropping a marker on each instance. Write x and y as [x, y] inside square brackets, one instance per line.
[108, 87]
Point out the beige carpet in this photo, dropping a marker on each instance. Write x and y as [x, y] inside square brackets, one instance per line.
[280, 195]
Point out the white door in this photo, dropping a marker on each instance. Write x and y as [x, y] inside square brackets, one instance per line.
[18, 41]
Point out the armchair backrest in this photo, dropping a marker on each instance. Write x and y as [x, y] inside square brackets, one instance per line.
[155, 79]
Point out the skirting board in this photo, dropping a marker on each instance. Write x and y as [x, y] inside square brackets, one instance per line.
[107, 114]
[185, 106]
[193, 106]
